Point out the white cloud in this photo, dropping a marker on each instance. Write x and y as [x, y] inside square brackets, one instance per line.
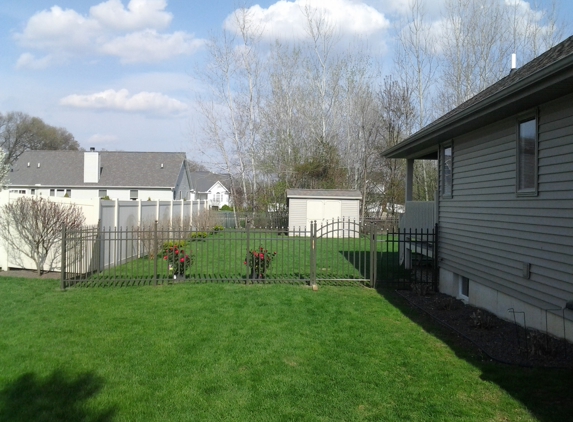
[29, 61]
[111, 99]
[149, 46]
[140, 14]
[110, 29]
[286, 18]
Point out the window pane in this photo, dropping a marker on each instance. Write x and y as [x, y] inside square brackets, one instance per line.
[526, 158]
[133, 194]
[447, 171]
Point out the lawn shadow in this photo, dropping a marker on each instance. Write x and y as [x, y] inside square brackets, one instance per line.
[545, 392]
[57, 397]
[389, 272]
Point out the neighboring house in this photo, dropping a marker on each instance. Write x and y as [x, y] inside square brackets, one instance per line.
[210, 186]
[505, 205]
[91, 174]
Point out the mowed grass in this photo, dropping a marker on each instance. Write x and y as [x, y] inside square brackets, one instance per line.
[228, 352]
[222, 256]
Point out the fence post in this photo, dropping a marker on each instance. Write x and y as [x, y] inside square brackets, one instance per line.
[436, 270]
[63, 261]
[373, 255]
[156, 250]
[313, 253]
[247, 225]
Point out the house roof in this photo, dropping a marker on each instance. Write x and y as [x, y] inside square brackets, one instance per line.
[324, 193]
[543, 79]
[117, 169]
[203, 181]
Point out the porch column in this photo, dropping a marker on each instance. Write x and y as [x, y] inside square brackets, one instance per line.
[409, 178]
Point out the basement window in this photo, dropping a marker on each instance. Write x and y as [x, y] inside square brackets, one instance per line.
[133, 194]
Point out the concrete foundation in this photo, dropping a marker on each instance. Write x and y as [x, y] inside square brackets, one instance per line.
[499, 304]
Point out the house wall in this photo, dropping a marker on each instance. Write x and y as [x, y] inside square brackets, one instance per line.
[490, 235]
[121, 194]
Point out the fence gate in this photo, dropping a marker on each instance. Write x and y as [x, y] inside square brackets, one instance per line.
[408, 259]
[350, 259]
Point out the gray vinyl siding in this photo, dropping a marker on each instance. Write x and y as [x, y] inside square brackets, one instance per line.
[487, 232]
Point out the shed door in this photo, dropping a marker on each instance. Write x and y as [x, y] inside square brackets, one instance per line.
[322, 210]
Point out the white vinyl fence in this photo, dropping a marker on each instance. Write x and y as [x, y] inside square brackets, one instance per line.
[113, 213]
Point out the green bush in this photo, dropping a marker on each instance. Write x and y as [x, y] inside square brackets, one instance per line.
[226, 208]
[218, 228]
[197, 236]
[173, 244]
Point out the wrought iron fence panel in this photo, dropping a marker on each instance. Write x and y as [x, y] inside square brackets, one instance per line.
[335, 252]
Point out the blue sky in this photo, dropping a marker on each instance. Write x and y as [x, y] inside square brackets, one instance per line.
[118, 74]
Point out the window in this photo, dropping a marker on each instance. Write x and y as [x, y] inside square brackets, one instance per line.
[60, 192]
[102, 193]
[527, 157]
[68, 193]
[133, 194]
[52, 192]
[32, 191]
[447, 172]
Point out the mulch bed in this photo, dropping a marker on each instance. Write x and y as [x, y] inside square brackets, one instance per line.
[496, 339]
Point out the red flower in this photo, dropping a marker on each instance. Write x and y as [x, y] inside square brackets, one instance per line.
[182, 260]
[165, 257]
[176, 252]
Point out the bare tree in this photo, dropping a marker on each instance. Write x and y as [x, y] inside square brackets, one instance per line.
[33, 226]
[4, 169]
[20, 132]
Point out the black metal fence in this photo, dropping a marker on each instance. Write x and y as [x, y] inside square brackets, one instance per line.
[334, 252]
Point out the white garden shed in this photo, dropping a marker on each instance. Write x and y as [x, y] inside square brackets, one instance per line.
[322, 205]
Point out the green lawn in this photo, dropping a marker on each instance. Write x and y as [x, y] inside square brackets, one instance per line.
[195, 352]
[222, 256]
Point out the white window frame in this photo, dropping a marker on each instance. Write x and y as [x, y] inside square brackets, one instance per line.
[463, 288]
[519, 159]
[447, 183]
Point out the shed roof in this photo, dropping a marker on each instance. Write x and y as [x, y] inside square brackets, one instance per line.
[118, 169]
[324, 193]
[544, 78]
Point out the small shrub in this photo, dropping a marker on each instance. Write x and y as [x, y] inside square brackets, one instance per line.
[194, 236]
[482, 319]
[421, 289]
[226, 208]
[218, 228]
[179, 260]
[259, 260]
[105, 198]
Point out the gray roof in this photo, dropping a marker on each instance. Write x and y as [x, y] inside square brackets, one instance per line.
[546, 77]
[324, 193]
[118, 169]
[202, 181]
